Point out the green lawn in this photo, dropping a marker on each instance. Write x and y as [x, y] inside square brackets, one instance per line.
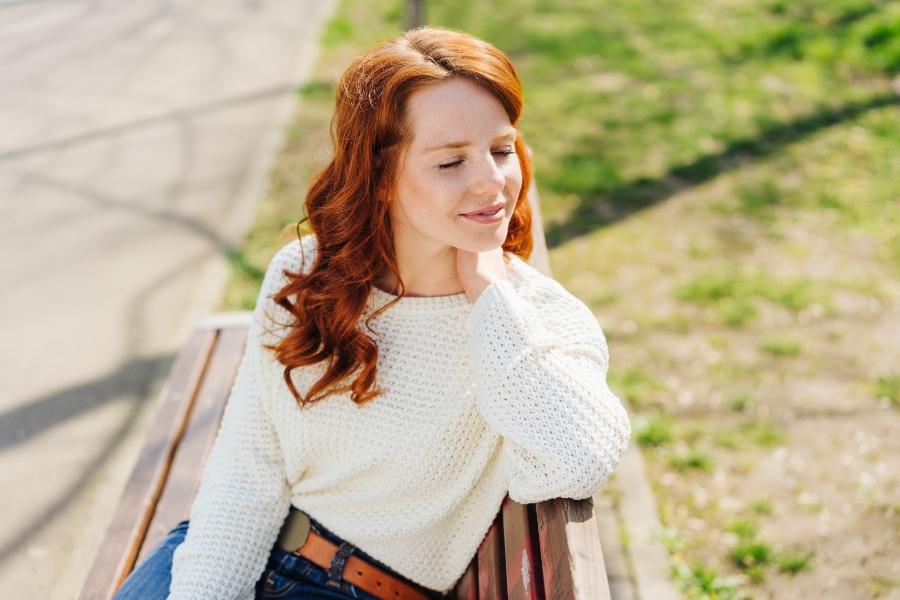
[720, 182]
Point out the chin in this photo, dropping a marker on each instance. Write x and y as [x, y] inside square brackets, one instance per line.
[485, 242]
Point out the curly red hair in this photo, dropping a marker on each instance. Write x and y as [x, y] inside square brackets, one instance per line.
[347, 204]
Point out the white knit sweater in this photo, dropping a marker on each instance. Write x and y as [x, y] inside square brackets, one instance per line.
[508, 394]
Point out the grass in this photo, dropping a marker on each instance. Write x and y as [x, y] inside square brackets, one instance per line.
[726, 439]
[793, 562]
[740, 403]
[713, 177]
[762, 434]
[690, 459]
[736, 312]
[634, 385]
[888, 388]
[879, 586]
[780, 346]
[703, 582]
[656, 431]
[751, 553]
[743, 528]
[712, 287]
[761, 507]
[734, 294]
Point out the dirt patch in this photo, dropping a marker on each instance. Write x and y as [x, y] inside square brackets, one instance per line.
[756, 346]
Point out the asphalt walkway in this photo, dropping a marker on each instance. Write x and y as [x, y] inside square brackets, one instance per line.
[136, 137]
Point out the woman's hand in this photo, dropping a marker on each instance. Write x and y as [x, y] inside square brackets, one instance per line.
[477, 270]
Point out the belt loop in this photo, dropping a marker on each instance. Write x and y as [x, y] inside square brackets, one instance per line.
[336, 570]
[279, 569]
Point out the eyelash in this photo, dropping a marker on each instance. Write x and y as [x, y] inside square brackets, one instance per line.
[454, 164]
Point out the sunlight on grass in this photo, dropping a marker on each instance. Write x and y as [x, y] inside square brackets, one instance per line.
[760, 507]
[705, 583]
[740, 403]
[656, 431]
[635, 385]
[690, 459]
[888, 388]
[781, 346]
[793, 562]
[750, 553]
[743, 528]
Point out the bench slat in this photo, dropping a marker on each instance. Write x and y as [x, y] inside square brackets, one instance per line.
[125, 534]
[572, 558]
[522, 563]
[491, 581]
[540, 258]
[190, 458]
[467, 586]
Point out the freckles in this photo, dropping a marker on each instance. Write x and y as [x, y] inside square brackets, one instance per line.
[514, 181]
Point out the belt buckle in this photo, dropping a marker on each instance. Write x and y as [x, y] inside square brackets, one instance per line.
[294, 531]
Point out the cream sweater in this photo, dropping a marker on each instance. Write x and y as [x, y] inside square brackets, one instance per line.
[508, 394]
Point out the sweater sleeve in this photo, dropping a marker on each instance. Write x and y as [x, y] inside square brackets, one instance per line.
[540, 380]
[243, 496]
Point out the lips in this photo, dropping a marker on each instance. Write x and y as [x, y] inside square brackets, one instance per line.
[491, 208]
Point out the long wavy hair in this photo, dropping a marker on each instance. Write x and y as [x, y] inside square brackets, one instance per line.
[347, 205]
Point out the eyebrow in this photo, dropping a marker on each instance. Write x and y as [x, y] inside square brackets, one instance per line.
[463, 143]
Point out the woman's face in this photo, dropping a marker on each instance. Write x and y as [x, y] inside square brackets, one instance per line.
[461, 158]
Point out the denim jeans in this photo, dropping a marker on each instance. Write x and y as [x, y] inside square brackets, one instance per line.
[287, 575]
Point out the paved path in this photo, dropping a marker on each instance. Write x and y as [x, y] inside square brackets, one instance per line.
[637, 565]
[135, 138]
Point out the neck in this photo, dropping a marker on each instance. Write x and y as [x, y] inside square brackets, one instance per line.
[427, 269]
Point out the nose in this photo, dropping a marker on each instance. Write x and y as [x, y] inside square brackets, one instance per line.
[488, 178]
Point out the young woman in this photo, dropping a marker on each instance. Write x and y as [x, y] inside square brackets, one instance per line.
[405, 368]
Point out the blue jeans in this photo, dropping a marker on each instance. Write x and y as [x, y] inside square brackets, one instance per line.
[287, 575]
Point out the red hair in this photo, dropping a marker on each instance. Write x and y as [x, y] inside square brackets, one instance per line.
[347, 204]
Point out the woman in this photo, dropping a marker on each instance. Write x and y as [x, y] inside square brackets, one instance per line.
[406, 368]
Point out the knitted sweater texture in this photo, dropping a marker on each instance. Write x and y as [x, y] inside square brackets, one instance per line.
[504, 395]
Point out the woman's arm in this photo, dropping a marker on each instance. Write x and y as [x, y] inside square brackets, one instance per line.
[541, 384]
[243, 497]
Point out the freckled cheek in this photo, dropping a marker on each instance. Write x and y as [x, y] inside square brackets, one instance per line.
[513, 176]
[446, 195]
[435, 199]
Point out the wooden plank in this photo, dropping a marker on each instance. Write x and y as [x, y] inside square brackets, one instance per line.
[225, 320]
[491, 581]
[184, 477]
[523, 575]
[571, 556]
[467, 586]
[540, 258]
[129, 524]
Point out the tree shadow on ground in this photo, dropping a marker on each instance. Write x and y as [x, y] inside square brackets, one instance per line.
[596, 211]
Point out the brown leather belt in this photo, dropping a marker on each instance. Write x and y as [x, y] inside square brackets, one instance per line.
[357, 571]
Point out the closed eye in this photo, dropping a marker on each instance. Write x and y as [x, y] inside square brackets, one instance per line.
[452, 165]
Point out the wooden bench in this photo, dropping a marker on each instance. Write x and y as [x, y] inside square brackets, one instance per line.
[547, 550]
